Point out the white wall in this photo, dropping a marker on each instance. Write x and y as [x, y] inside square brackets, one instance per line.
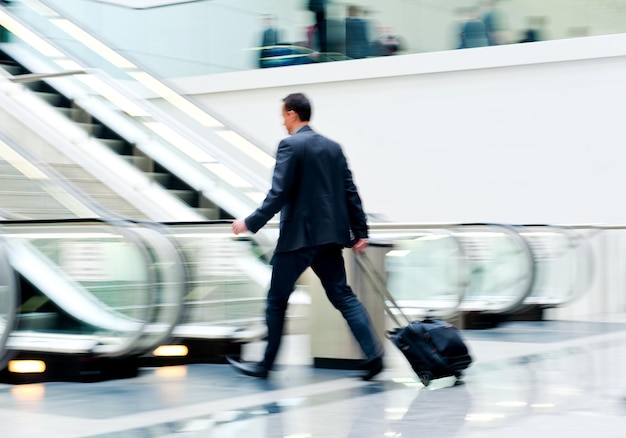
[516, 134]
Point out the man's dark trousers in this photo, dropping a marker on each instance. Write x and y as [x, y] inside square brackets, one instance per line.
[327, 263]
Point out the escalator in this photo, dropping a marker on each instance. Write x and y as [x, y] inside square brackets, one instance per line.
[98, 189]
[218, 173]
[485, 274]
[224, 303]
[36, 190]
[96, 298]
[93, 297]
[563, 264]
[114, 141]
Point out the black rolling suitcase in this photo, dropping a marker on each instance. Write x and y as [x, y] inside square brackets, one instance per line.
[433, 347]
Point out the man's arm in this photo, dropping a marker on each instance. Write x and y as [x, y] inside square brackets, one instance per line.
[358, 221]
[277, 196]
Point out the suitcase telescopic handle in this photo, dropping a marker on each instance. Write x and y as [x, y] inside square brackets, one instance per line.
[378, 284]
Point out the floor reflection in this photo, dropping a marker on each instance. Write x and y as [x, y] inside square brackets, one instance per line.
[570, 386]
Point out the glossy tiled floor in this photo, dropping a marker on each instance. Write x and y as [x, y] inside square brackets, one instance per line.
[547, 379]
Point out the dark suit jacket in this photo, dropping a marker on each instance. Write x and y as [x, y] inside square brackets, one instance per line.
[312, 187]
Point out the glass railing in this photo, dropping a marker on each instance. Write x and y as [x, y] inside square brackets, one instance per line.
[501, 267]
[563, 265]
[425, 270]
[228, 281]
[485, 268]
[185, 39]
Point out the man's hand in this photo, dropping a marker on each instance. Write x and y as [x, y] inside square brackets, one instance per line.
[360, 246]
[239, 226]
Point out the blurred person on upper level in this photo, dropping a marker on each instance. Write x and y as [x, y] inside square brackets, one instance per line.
[320, 214]
[535, 30]
[318, 7]
[494, 21]
[472, 32]
[530, 36]
[357, 33]
[387, 43]
[269, 39]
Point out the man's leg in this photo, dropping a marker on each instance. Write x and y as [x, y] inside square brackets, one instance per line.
[329, 267]
[287, 268]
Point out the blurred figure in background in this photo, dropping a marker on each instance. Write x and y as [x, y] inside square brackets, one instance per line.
[318, 7]
[269, 39]
[494, 21]
[530, 36]
[473, 32]
[387, 43]
[357, 34]
[535, 30]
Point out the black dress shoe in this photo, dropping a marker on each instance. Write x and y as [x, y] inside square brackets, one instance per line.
[252, 369]
[372, 368]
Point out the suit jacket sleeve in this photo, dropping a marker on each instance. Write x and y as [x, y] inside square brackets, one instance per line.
[358, 220]
[282, 182]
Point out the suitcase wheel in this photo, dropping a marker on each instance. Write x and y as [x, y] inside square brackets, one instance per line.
[424, 378]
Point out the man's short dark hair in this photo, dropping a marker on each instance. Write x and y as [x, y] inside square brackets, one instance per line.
[299, 103]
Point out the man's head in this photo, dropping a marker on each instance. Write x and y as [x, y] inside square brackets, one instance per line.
[296, 111]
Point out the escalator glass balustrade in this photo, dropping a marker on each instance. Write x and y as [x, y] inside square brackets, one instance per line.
[89, 287]
[563, 265]
[425, 270]
[228, 282]
[501, 268]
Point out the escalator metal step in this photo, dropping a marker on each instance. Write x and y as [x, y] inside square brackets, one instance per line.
[209, 213]
[52, 98]
[119, 146]
[139, 162]
[91, 128]
[12, 69]
[188, 196]
[161, 178]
